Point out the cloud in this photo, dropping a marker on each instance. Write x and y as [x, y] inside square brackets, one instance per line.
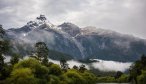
[102, 65]
[125, 16]
[71, 63]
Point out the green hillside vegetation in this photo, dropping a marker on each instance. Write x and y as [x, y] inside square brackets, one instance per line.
[32, 71]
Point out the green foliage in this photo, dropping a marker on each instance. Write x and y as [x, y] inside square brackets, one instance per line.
[118, 74]
[55, 69]
[142, 78]
[82, 68]
[2, 31]
[40, 72]
[123, 79]
[32, 71]
[75, 67]
[89, 77]
[4, 47]
[42, 52]
[22, 76]
[28, 63]
[64, 65]
[74, 77]
[5, 72]
[137, 68]
[15, 59]
[107, 79]
[54, 79]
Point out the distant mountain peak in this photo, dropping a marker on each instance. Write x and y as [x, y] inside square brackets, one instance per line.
[70, 28]
[40, 20]
[68, 24]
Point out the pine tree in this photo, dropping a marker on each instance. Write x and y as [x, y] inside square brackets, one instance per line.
[42, 52]
[64, 64]
[14, 59]
[4, 46]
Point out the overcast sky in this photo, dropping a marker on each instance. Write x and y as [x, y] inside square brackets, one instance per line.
[124, 16]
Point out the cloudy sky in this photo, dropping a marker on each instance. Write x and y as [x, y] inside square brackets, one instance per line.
[124, 16]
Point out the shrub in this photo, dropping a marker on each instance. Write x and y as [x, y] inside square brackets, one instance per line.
[55, 69]
[22, 76]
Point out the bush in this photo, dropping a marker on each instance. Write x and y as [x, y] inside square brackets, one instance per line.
[89, 77]
[22, 76]
[107, 79]
[123, 79]
[55, 69]
[73, 77]
[39, 71]
[142, 78]
[54, 79]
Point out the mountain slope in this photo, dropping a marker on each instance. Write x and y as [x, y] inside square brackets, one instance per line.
[80, 43]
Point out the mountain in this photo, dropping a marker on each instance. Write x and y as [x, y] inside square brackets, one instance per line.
[80, 43]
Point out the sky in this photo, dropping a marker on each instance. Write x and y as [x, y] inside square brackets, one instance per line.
[124, 16]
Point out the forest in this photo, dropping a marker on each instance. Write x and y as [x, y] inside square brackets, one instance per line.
[37, 69]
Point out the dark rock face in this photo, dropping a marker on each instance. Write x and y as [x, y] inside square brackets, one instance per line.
[78, 42]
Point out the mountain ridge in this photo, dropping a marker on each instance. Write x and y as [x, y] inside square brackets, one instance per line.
[81, 43]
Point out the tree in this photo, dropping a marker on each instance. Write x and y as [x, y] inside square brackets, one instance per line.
[22, 76]
[14, 59]
[55, 69]
[40, 71]
[64, 64]
[142, 78]
[75, 67]
[73, 77]
[89, 77]
[143, 61]
[137, 67]
[4, 46]
[118, 74]
[82, 68]
[2, 31]
[42, 52]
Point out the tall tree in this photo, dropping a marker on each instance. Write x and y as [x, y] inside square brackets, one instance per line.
[4, 46]
[42, 52]
[2, 31]
[15, 59]
[64, 64]
[82, 68]
[137, 68]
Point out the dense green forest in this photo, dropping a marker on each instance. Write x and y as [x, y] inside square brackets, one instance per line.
[38, 70]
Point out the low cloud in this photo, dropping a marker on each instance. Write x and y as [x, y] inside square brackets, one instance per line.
[102, 65]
